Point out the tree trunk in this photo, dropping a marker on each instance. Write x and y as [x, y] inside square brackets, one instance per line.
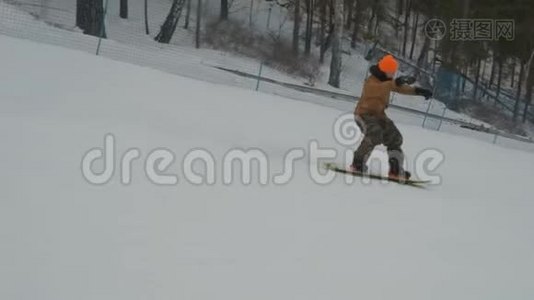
[323, 30]
[350, 7]
[406, 27]
[167, 29]
[466, 73]
[250, 13]
[371, 19]
[124, 9]
[330, 26]
[512, 71]
[377, 24]
[484, 63]
[356, 22]
[424, 50]
[477, 79]
[187, 14]
[224, 9]
[400, 7]
[309, 26]
[335, 64]
[296, 27]
[493, 67]
[197, 28]
[499, 80]
[414, 34]
[90, 17]
[530, 84]
[519, 87]
[80, 14]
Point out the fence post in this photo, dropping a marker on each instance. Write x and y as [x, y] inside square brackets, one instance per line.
[495, 137]
[442, 116]
[147, 31]
[103, 28]
[427, 110]
[259, 76]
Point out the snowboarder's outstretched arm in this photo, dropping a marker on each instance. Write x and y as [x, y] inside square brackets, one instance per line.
[402, 85]
[404, 89]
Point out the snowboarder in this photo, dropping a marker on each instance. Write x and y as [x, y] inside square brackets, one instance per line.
[371, 117]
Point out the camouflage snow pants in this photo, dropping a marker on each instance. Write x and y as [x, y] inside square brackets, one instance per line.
[379, 131]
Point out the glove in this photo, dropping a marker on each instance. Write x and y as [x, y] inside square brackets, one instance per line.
[401, 80]
[423, 92]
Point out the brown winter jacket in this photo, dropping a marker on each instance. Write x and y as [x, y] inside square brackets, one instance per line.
[376, 92]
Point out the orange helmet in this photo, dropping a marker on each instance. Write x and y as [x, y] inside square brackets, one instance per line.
[388, 64]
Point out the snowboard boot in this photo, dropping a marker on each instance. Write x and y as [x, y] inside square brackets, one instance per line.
[358, 167]
[395, 169]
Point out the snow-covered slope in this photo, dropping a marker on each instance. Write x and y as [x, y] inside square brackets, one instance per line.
[63, 238]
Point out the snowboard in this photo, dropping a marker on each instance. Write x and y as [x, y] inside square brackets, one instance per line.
[399, 180]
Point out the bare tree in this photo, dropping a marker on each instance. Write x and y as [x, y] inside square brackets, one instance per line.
[493, 69]
[406, 26]
[124, 9]
[512, 73]
[374, 8]
[335, 63]
[90, 17]
[499, 78]
[349, 6]
[224, 9]
[530, 85]
[309, 26]
[296, 26]
[187, 14]
[529, 81]
[519, 89]
[197, 29]
[167, 29]
[323, 30]
[358, 7]
[424, 52]
[414, 34]
[477, 78]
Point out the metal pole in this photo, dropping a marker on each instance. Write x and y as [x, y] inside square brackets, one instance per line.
[103, 28]
[146, 17]
[259, 77]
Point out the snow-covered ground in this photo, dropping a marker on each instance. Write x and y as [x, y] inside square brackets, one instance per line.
[469, 237]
